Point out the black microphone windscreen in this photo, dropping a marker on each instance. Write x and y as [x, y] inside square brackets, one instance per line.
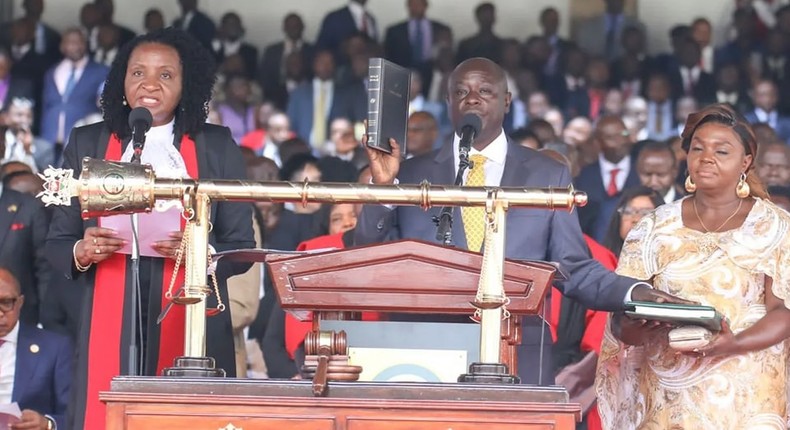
[140, 116]
[470, 120]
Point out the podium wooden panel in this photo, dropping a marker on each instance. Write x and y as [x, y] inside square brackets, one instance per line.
[143, 403]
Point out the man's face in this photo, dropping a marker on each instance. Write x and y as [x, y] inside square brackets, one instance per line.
[657, 170]
[324, 66]
[10, 303]
[73, 46]
[231, 27]
[422, 133]
[765, 96]
[774, 167]
[701, 32]
[550, 21]
[293, 27]
[417, 8]
[279, 128]
[478, 86]
[613, 139]
[341, 132]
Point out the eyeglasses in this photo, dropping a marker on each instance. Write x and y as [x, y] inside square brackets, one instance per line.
[634, 212]
[8, 304]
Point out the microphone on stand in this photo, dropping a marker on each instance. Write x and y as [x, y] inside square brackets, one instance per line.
[140, 120]
[468, 130]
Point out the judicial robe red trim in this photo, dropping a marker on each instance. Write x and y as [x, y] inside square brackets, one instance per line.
[295, 330]
[110, 303]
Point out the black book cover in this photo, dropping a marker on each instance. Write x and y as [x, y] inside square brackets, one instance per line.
[388, 104]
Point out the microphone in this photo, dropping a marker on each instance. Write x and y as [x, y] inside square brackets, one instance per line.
[468, 130]
[140, 120]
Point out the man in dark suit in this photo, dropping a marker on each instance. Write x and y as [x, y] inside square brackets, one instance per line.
[314, 104]
[599, 35]
[271, 73]
[478, 86]
[411, 42]
[605, 179]
[35, 365]
[23, 231]
[106, 9]
[46, 40]
[687, 77]
[230, 40]
[195, 22]
[766, 97]
[550, 25]
[15, 86]
[730, 88]
[343, 23]
[485, 43]
[657, 169]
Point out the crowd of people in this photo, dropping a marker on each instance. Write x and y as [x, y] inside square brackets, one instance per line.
[683, 155]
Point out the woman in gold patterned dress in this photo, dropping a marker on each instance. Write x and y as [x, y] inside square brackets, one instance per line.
[725, 246]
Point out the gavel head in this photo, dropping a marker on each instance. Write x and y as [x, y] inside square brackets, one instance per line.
[326, 343]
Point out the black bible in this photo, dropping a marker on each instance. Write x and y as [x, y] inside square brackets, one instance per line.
[388, 104]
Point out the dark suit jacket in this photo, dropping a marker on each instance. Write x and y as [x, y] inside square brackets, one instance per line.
[23, 232]
[336, 27]
[397, 44]
[595, 216]
[18, 87]
[201, 27]
[782, 128]
[704, 90]
[43, 374]
[247, 52]
[533, 234]
[300, 108]
[270, 72]
[480, 46]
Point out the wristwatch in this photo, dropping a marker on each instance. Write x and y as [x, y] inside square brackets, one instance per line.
[50, 423]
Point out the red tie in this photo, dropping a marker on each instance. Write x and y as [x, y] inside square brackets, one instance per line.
[612, 189]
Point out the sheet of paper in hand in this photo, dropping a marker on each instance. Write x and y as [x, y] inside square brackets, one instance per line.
[9, 414]
[151, 227]
[675, 314]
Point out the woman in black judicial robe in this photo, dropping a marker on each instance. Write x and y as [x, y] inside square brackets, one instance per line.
[170, 74]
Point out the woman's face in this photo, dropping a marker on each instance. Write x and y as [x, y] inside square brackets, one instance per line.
[154, 80]
[632, 212]
[342, 218]
[716, 158]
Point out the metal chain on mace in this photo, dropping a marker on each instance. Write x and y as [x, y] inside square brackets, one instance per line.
[111, 188]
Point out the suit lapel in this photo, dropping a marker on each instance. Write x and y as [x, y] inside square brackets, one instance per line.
[26, 362]
[9, 207]
[514, 166]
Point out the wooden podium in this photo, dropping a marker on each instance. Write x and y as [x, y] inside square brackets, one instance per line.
[403, 277]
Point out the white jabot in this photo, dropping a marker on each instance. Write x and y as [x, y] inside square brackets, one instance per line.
[8, 364]
[160, 153]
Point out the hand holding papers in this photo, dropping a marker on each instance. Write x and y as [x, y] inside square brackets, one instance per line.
[151, 227]
[9, 414]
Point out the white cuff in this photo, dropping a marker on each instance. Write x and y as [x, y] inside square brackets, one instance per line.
[631, 290]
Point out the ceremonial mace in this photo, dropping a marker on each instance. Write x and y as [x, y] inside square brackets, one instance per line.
[111, 188]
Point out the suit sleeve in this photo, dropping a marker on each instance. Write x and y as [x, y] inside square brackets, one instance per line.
[232, 225]
[66, 227]
[61, 384]
[589, 282]
[376, 223]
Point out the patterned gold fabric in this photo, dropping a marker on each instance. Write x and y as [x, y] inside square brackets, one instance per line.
[474, 217]
[651, 387]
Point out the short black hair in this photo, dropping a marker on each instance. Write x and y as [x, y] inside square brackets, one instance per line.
[295, 164]
[654, 146]
[199, 75]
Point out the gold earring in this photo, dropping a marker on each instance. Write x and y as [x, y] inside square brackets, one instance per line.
[743, 190]
[690, 185]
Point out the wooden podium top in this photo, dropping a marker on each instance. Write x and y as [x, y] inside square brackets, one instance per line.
[407, 276]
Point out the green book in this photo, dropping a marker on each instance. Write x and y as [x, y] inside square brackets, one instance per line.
[679, 315]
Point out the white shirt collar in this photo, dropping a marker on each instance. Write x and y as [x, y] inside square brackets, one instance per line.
[496, 151]
[356, 8]
[763, 116]
[13, 335]
[623, 164]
